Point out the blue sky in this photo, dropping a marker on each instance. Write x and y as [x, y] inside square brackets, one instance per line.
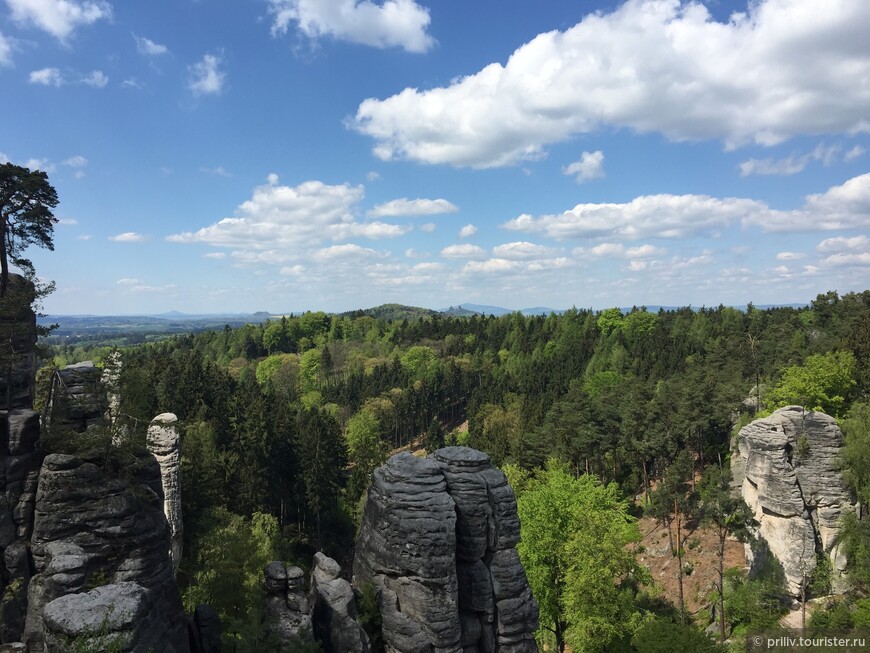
[286, 155]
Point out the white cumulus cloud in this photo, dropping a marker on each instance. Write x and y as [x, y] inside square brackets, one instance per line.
[46, 77]
[97, 79]
[60, 18]
[129, 237]
[467, 231]
[590, 166]
[521, 250]
[149, 47]
[465, 250]
[406, 207]
[782, 68]
[393, 23]
[206, 77]
[680, 216]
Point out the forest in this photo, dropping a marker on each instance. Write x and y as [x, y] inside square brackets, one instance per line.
[597, 417]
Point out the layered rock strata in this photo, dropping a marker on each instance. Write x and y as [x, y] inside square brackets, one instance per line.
[438, 540]
[93, 529]
[792, 482]
[77, 398]
[164, 443]
[333, 609]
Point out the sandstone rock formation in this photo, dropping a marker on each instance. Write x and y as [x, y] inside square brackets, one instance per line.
[77, 398]
[17, 342]
[333, 608]
[204, 630]
[437, 539]
[164, 442]
[792, 483]
[287, 609]
[92, 529]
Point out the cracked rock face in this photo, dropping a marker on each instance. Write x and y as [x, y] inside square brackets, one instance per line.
[793, 485]
[333, 609]
[286, 609]
[438, 540]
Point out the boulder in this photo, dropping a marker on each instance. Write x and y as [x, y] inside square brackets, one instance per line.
[164, 443]
[791, 481]
[438, 540]
[111, 617]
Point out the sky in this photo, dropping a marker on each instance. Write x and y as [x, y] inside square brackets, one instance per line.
[217, 156]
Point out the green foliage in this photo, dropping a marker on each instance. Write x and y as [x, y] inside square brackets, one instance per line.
[824, 382]
[610, 319]
[228, 575]
[661, 636]
[856, 449]
[369, 616]
[575, 533]
[854, 537]
[754, 604]
[365, 449]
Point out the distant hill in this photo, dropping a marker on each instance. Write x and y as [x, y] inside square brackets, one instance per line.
[483, 309]
[392, 312]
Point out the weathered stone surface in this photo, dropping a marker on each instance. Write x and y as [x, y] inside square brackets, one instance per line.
[407, 547]
[164, 442]
[17, 343]
[437, 538]
[333, 608]
[77, 398]
[793, 484]
[93, 529]
[111, 616]
[287, 609]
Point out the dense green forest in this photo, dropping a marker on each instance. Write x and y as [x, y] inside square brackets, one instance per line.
[597, 417]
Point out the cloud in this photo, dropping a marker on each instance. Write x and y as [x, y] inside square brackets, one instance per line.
[521, 250]
[292, 270]
[393, 23]
[218, 256]
[790, 256]
[39, 164]
[428, 227]
[840, 244]
[60, 18]
[854, 153]
[467, 231]
[590, 166]
[651, 66]
[5, 51]
[790, 165]
[77, 161]
[373, 175]
[129, 237]
[206, 78]
[46, 77]
[350, 250]
[219, 171]
[682, 216]
[97, 79]
[465, 250]
[291, 220]
[128, 282]
[69, 222]
[404, 206]
[148, 47]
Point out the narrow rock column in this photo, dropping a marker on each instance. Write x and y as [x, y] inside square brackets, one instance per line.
[333, 609]
[164, 442]
[287, 610]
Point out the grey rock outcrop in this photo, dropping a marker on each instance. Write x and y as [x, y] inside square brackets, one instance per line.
[77, 398]
[118, 617]
[333, 608]
[93, 529]
[164, 442]
[17, 344]
[438, 540]
[792, 483]
[20, 460]
[287, 608]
